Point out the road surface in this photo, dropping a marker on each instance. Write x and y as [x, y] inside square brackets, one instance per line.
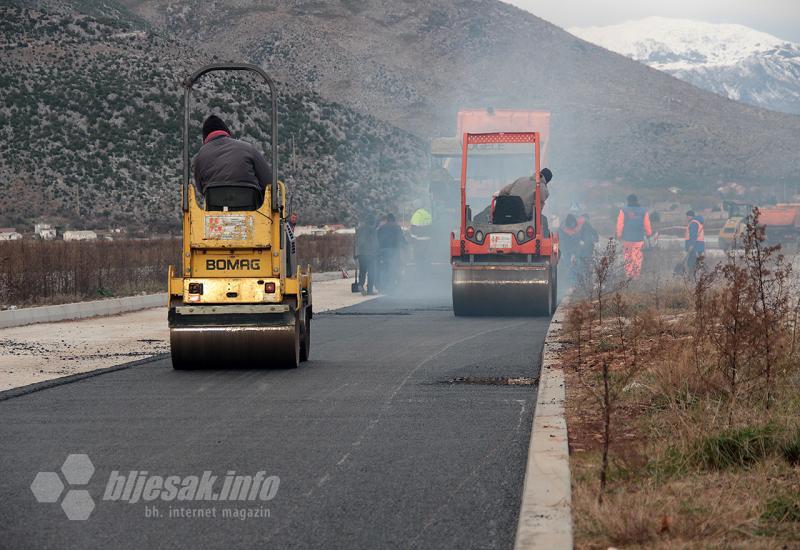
[379, 441]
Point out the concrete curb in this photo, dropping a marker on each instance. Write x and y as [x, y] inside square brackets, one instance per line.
[545, 517]
[80, 310]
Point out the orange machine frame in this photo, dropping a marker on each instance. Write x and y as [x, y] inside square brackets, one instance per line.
[539, 245]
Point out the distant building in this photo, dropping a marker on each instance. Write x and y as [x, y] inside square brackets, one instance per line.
[80, 236]
[45, 231]
[9, 234]
[105, 234]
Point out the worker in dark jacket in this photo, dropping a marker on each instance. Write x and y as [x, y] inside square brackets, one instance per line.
[390, 240]
[366, 253]
[694, 241]
[223, 159]
[633, 224]
[577, 238]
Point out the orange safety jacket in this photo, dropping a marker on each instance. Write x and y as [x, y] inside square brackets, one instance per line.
[633, 223]
[695, 237]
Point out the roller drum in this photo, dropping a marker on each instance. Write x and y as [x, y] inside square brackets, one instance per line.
[503, 290]
[235, 346]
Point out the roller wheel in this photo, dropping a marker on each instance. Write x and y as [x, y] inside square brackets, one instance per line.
[294, 359]
[180, 366]
[305, 342]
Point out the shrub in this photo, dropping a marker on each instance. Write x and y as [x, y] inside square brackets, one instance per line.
[790, 450]
[783, 508]
[740, 447]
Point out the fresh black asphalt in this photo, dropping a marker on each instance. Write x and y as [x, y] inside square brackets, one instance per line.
[374, 445]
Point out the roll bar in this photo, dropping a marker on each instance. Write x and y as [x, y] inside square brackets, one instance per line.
[187, 85]
[498, 138]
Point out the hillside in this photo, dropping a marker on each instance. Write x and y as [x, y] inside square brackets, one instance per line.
[415, 64]
[90, 113]
[731, 60]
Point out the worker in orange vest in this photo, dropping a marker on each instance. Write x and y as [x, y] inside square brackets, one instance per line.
[633, 224]
[694, 241]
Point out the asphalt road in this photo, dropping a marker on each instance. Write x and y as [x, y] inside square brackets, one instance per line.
[378, 442]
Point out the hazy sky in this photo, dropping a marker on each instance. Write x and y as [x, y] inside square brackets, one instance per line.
[778, 17]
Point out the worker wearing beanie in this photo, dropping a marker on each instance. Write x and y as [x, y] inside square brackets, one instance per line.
[223, 159]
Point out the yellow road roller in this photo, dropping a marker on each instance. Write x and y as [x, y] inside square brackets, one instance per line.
[239, 299]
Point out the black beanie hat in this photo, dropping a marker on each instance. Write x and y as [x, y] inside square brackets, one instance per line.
[633, 200]
[546, 174]
[212, 124]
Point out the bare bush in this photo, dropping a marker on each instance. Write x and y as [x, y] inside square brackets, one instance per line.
[742, 313]
[586, 323]
[50, 272]
[40, 272]
[326, 252]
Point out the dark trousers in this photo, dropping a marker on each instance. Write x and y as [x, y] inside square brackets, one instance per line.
[366, 271]
[692, 257]
[388, 278]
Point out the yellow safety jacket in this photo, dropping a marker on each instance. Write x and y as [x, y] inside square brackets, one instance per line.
[421, 217]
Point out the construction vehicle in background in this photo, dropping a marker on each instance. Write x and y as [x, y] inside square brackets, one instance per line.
[445, 165]
[239, 298]
[731, 232]
[782, 223]
[504, 263]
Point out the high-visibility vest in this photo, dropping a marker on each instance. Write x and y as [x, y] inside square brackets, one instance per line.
[701, 235]
[421, 217]
[574, 230]
[633, 229]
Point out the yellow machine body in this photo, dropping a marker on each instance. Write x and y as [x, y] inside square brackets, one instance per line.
[731, 232]
[235, 289]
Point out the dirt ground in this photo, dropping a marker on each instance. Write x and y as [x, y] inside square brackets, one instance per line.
[35, 353]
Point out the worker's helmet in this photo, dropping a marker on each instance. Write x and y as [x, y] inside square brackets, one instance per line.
[570, 221]
[547, 174]
[633, 200]
[690, 214]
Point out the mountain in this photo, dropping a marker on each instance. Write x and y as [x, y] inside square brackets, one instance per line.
[90, 127]
[90, 99]
[731, 60]
[414, 64]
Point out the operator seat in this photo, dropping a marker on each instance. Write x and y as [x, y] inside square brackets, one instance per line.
[233, 197]
[509, 209]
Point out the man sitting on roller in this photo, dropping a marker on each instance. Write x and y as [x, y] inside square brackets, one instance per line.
[223, 159]
[524, 188]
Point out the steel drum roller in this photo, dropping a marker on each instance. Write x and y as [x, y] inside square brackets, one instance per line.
[239, 347]
[502, 290]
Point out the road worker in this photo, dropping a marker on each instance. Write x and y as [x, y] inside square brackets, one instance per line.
[421, 227]
[525, 189]
[633, 225]
[223, 159]
[366, 253]
[694, 241]
[577, 238]
[390, 243]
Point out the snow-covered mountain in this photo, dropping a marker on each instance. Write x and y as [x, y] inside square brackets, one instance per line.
[732, 60]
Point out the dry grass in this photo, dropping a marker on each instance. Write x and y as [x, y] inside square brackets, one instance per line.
[326, 252]
[688, 469]
[694, 511]
[36, 272]
[47, 272]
